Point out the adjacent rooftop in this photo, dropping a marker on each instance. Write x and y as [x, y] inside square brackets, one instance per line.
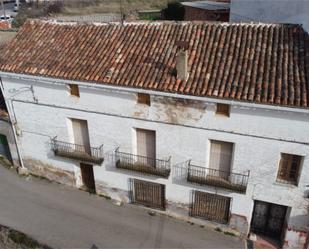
[261, 63]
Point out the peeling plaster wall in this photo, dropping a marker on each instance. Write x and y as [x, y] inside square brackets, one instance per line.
[183, 131]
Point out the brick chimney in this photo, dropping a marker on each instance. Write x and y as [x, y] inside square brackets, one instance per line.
[182, 60]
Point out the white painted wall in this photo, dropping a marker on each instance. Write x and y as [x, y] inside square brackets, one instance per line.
[183, 132]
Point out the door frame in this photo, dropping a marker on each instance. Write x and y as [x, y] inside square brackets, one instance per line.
[280, 236]
[85, 169]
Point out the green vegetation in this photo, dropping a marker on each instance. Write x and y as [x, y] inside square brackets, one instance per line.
[24, 240]
[129, 8]
[229, 233]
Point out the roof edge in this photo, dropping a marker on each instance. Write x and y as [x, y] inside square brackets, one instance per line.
[154, 23]
[50, 80]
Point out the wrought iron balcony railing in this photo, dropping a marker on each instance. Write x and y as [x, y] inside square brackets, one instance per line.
[78, 152]
[217, 178]
[143, 164]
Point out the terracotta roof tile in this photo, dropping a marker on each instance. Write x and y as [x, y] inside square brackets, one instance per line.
[262, 63]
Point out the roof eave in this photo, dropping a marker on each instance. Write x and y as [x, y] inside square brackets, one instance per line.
[50, 80]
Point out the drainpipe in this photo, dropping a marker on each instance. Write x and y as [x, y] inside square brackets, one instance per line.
[22, 169]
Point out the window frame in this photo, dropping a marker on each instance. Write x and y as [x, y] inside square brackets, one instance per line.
[220, 109]
[144, 99]
[209, 162]
[74, 90]
[285, 177]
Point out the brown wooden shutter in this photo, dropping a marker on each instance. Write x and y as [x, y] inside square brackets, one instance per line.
[143, 98]
[289, 167]
[74, 90]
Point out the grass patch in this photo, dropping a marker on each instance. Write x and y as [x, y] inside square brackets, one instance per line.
[24, 240]
[229, 233]
[40, 177]
[5, 162]
[83, 7]
[105, 196]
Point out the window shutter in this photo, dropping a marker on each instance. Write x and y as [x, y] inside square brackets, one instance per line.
[220, 156]
[143, 98]
[74, 90]
[289, 168]
[146, 145]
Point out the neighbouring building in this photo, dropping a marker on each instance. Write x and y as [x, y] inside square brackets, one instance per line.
[8, 147]
[205, 121]
[283, 11]
[207, 10]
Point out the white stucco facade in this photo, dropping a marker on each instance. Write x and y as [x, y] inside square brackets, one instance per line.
[184, 129]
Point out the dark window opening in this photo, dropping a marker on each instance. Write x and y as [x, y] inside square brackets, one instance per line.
[289, 168]
[143, 98]
[74, 90]
[223, 109]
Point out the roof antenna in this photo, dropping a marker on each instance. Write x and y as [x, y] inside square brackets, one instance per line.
[122, 14]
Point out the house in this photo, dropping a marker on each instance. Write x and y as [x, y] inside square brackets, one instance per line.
[207, 10]
[283, 11]
[204, 121]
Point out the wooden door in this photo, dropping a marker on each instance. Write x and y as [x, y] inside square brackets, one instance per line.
[146, 146]
[81, 135]
[88, 177]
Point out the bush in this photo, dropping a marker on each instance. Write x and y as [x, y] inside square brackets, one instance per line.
[174, 11]
[25, 13]
[36, 11]
[54, 8]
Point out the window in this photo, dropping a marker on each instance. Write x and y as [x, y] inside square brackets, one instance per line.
[143, 98]
[74, 91]
[223, 109]
[210, 206]
[289, 168]
[220, 158]
[149, 194]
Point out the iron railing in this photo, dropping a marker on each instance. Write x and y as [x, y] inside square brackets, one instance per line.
[149, 194]
[142, 164]
[210, 206]
[78, 152]
[217, 178]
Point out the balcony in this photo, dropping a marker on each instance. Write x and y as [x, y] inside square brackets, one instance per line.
[78, 152]
[217, 178]
[143, 164]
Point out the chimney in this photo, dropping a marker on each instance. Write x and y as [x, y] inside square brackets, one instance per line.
[182, 60]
